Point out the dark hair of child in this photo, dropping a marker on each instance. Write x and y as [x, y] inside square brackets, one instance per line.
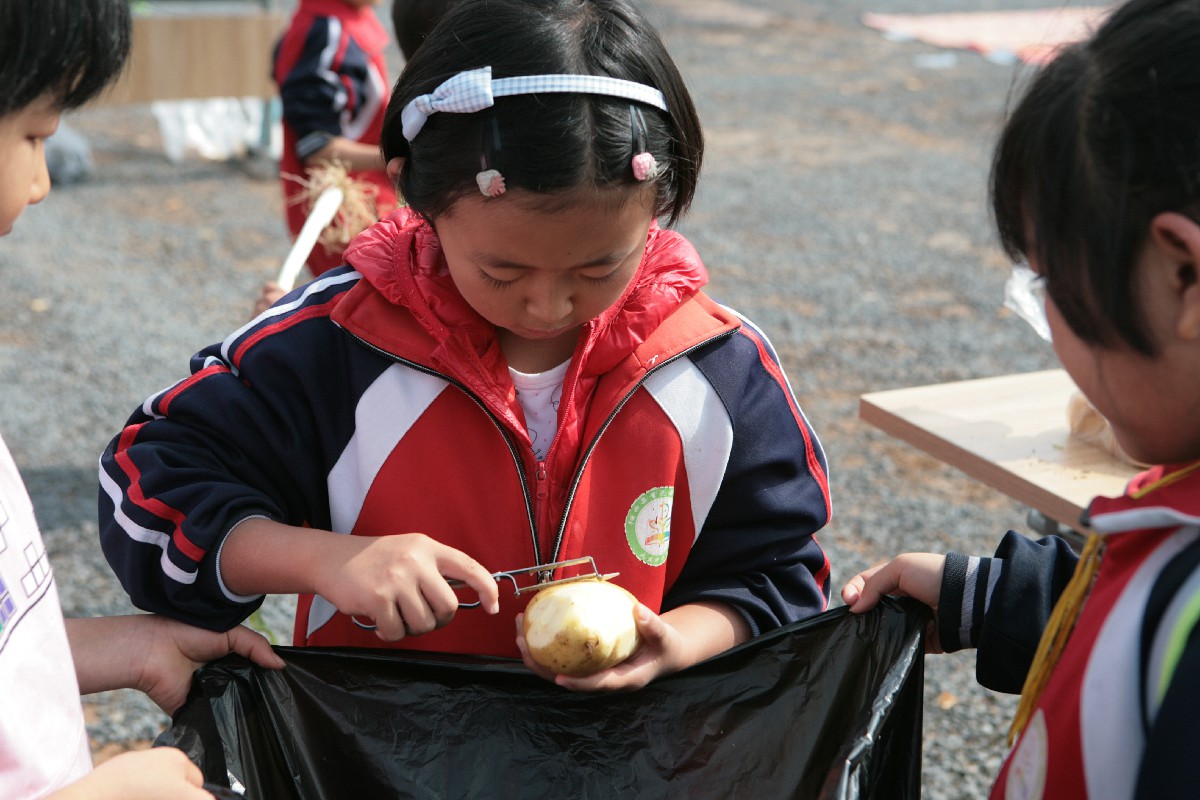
[68, 48]
[1106, 138]
[412, 20]
[549, 144]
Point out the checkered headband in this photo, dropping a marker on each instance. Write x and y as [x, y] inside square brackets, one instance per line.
[474, 90]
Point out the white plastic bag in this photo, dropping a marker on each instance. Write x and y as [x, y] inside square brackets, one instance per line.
[217, 128]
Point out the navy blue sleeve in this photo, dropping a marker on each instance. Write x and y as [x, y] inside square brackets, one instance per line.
[249, 433]
[326, 85]
[967, 583]
[1007, 631]
[756, 550]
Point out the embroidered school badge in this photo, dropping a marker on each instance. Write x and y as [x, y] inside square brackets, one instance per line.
[648, 525]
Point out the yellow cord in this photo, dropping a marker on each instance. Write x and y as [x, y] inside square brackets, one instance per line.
[1165, 480]
[1058, 630]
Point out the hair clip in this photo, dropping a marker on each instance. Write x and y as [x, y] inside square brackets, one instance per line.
[490, 182]
[645, 166]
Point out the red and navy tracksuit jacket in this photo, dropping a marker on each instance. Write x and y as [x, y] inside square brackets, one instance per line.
[376, 401]
[1118, 717]
[332, 76]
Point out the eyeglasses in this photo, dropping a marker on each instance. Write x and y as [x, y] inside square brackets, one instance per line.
[1025, 294]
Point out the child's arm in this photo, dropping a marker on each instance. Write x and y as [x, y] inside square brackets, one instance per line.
[319, 92]
[999, 605]
[916, 575]
[671, 642]
[396, 582]
[154, 654]
[756, 551]
[247, 434]
[354, 155]
[140, 775]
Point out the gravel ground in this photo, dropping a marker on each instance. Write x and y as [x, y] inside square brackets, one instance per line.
[842, 207]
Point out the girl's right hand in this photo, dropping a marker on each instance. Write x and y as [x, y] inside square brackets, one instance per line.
[160, 773]
[400, 582]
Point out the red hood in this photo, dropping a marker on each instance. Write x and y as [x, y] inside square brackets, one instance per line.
[401, 257]
[401, 260]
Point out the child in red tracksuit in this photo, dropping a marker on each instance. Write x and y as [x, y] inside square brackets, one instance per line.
[333, 86]
[1095, 183]
[307, 100]
[519, 368]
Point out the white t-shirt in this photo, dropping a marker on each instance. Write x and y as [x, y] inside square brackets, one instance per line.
[539, 395]
[43, 739]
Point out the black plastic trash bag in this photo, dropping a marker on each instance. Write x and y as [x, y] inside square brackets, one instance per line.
[826, 708]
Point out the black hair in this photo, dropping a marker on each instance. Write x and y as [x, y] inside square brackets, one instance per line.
[412, 20]
[546, 143]
[70, 49]
[1106, 137]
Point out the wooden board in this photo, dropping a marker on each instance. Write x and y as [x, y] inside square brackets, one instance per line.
[191, 56]
[1009, 432]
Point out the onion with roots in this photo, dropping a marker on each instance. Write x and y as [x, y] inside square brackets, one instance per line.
[582, 627]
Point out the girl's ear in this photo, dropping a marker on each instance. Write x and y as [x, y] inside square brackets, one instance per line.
[393, 169]
[1177, 238]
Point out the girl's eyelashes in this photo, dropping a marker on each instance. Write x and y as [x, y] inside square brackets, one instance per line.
[598, 280]
[602, 279]
[493, 281]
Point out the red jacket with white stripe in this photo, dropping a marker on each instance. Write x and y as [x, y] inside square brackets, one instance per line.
[1117, 718]
[376, 401]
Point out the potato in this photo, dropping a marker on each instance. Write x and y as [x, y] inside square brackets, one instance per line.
[582, 627]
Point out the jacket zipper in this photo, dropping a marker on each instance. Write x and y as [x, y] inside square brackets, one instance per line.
[512, 448]
[587, 454]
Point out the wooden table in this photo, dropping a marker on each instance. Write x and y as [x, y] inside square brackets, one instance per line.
[1009, 432]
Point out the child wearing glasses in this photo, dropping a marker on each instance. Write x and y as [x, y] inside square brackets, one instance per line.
[1094, 184]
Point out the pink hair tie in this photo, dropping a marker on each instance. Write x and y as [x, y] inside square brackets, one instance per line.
[491, 182]
[645, 167]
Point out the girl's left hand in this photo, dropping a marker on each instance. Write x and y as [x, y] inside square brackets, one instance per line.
[661, 652]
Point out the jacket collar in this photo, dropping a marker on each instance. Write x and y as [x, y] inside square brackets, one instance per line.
[1164, 496]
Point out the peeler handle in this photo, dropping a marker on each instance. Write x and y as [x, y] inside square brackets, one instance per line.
[498, 576]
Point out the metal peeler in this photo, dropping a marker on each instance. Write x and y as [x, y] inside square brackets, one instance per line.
[541, 571]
